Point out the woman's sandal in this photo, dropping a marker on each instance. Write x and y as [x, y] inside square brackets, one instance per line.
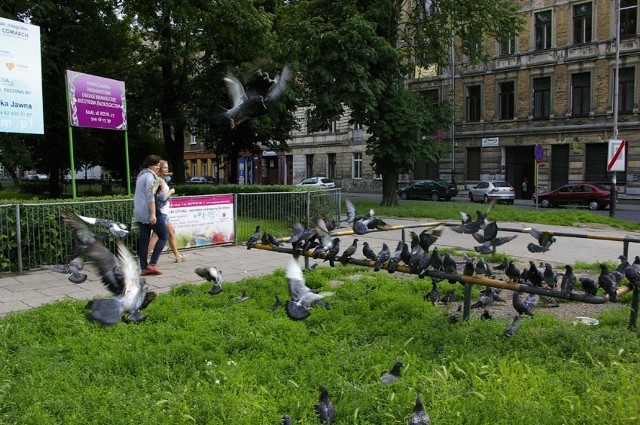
[181, 258]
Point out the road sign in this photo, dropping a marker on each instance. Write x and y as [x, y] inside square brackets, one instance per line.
[616, 157]
[539, 152]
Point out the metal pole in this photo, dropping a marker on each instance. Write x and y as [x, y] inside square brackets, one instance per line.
[613, 192]
[453, 117]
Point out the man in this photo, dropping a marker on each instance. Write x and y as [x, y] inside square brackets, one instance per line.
[146, 217]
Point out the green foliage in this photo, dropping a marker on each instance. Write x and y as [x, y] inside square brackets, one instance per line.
[207, 359]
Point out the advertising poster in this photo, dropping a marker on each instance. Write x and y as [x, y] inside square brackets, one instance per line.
[202, 220]
[20, 78]
[96, 102]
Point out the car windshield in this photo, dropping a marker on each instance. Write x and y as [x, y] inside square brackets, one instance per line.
[501, 184]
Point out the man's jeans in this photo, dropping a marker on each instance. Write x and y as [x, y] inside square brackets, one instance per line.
[160, 229]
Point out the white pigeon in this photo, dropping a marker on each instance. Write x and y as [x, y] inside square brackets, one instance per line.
[301, 296]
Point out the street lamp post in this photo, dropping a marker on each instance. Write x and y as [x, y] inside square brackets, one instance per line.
[614, 191]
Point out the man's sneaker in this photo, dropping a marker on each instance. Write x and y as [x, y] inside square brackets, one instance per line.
[150, 270]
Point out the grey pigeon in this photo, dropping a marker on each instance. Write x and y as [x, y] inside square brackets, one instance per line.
[531, 301]
[268, 239]
[368, 252]
[456, 315]
[449, 297]
[324, 408]
[435, 261]
[394, 259]
[535, 275]
[382, 257]
[549, 276]
[502, 265]
[301, 296]
[544, 238]
[607, 282]
[549, 301]
[419, 416]
[512, 272]
[568, 280]
[255, 237]
[357, 223]
[243, 297]
[120, 274]
[211, 274]
[332, 252]
[286, 420]
[325, 238]
[118, 230]
[468, 225]
[469, 268]
[429, 236]
[520, 306]
[483, 301]
[589, 286]
[483, 268]
[449, 264]
[348, 253]
[393, 375]
[300, 235]
[72, 269]
[434, 294]
[512, 328]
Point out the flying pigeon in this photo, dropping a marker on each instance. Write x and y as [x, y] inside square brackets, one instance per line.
[489, 246]
[429, 236]
[211, 274]
[520, 306]
[268, 239]
[419, 416]
[255, 237]
[469, 225]
[325, 238]
[324, 408]
[301, 296]
[393, 375]
[502, 265]
[118, 230]
[253, 105]
[347, 253]
[483, 301]
[120, 274]
[512, 328]
[544, 238]
[568, 280]
[73, 269]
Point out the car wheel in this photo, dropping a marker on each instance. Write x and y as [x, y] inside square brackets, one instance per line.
[470, 197]
[486, 199]
[403, 196]
[544, 203]
[593, 205]
[435, 197]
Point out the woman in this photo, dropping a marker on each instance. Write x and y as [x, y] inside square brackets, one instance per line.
[162, 204]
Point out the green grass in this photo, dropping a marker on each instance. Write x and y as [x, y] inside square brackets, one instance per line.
[209, 360]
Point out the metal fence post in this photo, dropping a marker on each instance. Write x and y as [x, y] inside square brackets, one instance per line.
[306, 259]
[18, 238]
[235, 219]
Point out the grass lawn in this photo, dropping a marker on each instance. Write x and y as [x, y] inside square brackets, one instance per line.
[211, 360]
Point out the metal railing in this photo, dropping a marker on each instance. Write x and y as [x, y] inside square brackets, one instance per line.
[33, 234]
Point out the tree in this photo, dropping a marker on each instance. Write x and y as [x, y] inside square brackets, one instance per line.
[357, 54]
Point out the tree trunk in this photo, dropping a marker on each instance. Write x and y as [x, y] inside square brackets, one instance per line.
[175, 149]
[389, 189]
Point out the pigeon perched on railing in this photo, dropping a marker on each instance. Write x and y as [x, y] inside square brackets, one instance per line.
[395, 257]
[301, 296]
[568, 280]
[211, 274]
[382, 257]
[324, 407]
[512, 272]
[72, 268]
[419, 416]
[348, 253]
[368, 252]
[120, 274]
[589, 285]
[608, 283]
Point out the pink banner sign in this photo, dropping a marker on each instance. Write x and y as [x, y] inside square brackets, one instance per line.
[202, 220]
[96, 102]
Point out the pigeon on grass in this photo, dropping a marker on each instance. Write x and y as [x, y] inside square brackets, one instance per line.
[393, 375]
[324, 407]
[301, 296]
[512, 328]
[419, 416]
[211, 274]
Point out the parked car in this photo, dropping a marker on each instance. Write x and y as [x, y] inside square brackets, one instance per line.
[429, 189]
[592, 195]
[317, 182]
[197, 180]
[487, 191]
[37, 176]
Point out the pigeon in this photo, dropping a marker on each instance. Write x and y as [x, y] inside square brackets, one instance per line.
[549, 276]
[435, 260]
[347, 253]
[120, 274]
[359, 227]
[449, 264]
[489, 247]
[535, 275]
[486, 315]
[568, 281]
[118, 230]
[382, 257]
[301, 296]
[245, 107]
[276, 305]
[512, 328]
[530, 301]
[268, 239]
[632, 273]
[549, 301]
[589, 286]
[393, 375]
[456, 315]
[469, 268]
[286, 420]
[255, 237]
[520, 307]
[72, 269]
[429, 236]
[544, 238]
[419, 416]
[324, 408]
[423, 263]
[211, 274]
[502, 265]
[449, 297]
[470, 226]
[434, 294]
[368, 252]
[325, 238]
[482, 268]
[607, 282]
[394, 259]
[512, 272]
[332, 252]
[300, 235]
[242, 297]
[483, 301]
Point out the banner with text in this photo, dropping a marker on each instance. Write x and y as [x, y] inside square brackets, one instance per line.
[21, 108]
[96, 102]
[202, 220]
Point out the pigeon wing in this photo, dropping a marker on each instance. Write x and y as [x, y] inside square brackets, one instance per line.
[235, 89]
[280, 84]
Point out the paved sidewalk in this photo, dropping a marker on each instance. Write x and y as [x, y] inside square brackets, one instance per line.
[19, 292]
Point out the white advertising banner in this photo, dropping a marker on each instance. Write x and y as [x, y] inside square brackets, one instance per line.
[202, 220]
[20, 78]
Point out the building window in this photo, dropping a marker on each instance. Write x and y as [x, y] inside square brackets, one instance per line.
[626, 84]
[205, 171]
[543, 30]
[194, 168]
[309, 165]
[307, 116]
[356, 166]
[628, 18]
[507, 100]
[473, 103]
[432, 97]
[331, 165]
[542, 97]
[473, 163]
[580, 94]
[333, 127]
[192, 139]
[508, 47]
[582, 22]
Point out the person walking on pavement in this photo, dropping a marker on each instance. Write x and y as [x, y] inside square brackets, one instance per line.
[162, 205]
[145, 215]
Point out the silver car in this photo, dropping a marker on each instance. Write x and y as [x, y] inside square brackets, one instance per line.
[489, 190]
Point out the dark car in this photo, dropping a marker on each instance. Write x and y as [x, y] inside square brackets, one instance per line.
[429, 189]
[592, 195]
